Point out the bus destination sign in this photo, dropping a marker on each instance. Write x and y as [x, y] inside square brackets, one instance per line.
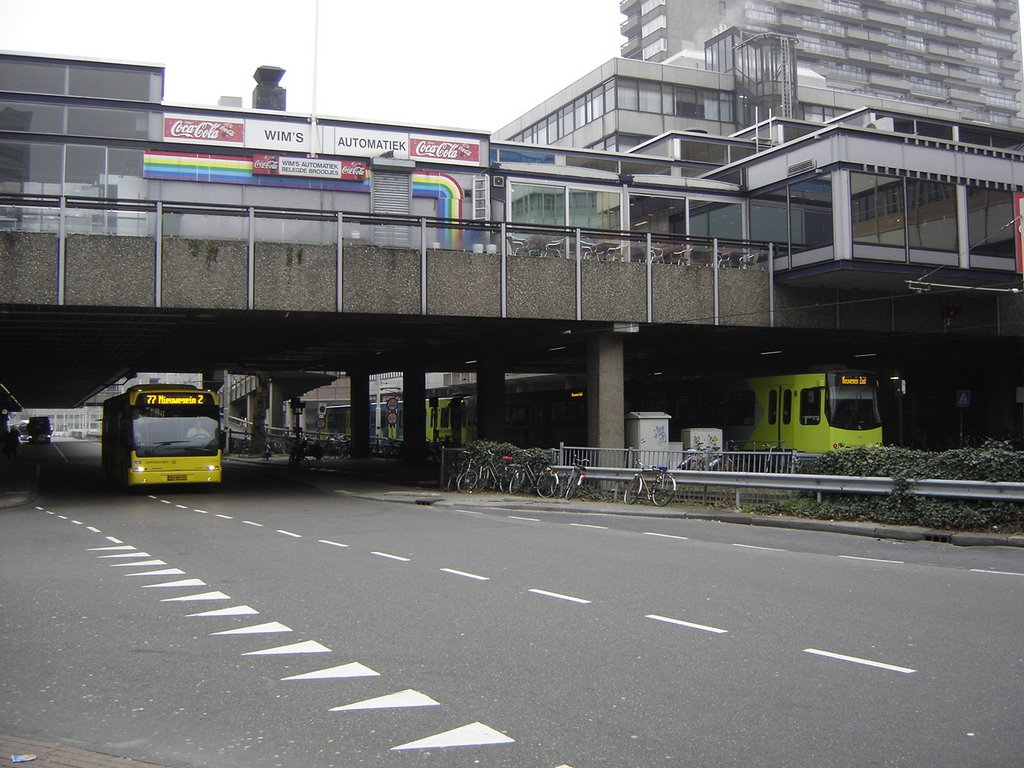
[176, 398]
[855, 380]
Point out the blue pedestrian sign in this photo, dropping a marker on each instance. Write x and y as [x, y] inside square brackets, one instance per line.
[963, 398]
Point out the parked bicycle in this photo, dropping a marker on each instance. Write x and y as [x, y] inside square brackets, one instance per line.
[575, 478]
[659, 488]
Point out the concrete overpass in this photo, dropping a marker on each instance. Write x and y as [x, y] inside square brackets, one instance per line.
[78, 311]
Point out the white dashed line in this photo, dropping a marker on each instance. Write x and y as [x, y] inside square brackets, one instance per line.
[91, 528]
[181, 506]
[666, 535]
[528, 519]
[587, 525]
[559, 596]
[754, 546]
[871, 559]
[333, 543]
[467, 575]
[164, 501]
[391, 557]
[250, 522]
[225, 517]
[289, 533]
[996, 573]
[690, 624]
[114, 540]
[855, 660]
[201, 511]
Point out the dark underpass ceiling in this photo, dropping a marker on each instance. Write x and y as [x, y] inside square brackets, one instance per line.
[59, 357]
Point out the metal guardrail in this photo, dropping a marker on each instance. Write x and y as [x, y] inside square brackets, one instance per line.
[977, 490]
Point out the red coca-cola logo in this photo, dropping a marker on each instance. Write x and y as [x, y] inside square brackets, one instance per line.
[455, 151]
[200, 130]
[266, 164]
[353, 171]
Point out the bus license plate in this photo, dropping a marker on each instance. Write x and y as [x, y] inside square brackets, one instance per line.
[176, 478]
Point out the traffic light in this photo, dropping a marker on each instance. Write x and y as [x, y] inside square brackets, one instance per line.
[949, 314]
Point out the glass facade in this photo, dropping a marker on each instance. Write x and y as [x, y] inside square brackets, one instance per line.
[878, 210]
[989, 223]
[931, 215]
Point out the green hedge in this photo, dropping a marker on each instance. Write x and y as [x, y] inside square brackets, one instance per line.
[993, 461]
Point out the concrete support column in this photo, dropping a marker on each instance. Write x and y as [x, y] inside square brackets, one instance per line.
[359, 413]
[414, 416]
[490, 389]
[605, 392]
[275, 408]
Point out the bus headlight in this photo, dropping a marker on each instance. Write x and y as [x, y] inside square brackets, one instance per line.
[138, 469]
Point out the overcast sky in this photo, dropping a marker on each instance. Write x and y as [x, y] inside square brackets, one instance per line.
[473, 64]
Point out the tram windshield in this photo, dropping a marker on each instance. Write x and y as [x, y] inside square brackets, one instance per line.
[175, 431]
[852, 401]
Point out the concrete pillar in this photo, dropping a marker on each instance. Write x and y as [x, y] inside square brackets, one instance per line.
[359, 413]
[490, 408]
[414, 416]
[275, 407]
[605, 392]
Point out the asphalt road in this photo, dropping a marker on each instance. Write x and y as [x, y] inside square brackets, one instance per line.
[316, 623]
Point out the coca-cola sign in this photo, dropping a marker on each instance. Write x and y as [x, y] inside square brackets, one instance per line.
[204, 130]
[441, 150]
[265, 165]
[309, 167]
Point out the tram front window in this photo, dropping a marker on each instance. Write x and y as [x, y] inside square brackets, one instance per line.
[853, 401]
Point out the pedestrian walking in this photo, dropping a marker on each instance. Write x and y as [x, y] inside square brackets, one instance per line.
[11, 440]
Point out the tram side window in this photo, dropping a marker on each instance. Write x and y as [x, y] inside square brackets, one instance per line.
[741, 408]
[810, 406]
[773, 406]
[787, 406]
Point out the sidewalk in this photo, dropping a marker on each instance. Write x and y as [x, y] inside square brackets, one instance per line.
[56, 756]
[18, 482]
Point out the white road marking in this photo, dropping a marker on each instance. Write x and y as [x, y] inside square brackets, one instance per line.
[391, 557]
[137, 564]
[528, 519]
[308, 646]
[467, 575]
[225, 517]
[996, 573]
[237, 610]
[588, 525]
[76, 522]
[256, 629]
[855, 660]
[250, 522]
[559, 596]
[202, 512]
[91, 528]
[469, 511]
[289, 533]
[754, 546]
[113, 540]
[353, 669]
[474, 734]
[406, 698]
[666, 535]
[163, 572]
[871, 559]
[689, 624]
[201, 596]
[127, 554]
[333, 543]
[164, 501]
[119, 547]
[180, 583]
[181, 506]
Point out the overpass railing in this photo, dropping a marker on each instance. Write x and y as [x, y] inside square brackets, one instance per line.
[68, 214]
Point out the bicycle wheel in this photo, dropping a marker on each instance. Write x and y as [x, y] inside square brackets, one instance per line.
[516, 480]
[634, 489]
[664, 490]
[547, 484]
[468, 480]
[573, 484]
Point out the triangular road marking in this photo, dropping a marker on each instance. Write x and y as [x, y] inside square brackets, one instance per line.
[137, 564]
[127, 554]
[238, 610]
[474, 734]
[406, 698]
[355, 669]
[164, 572]
[201, 596]
[121, 547]
[181, 583]
[257, 629]
[309, 646]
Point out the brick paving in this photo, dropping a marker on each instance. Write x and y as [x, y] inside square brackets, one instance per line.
[57, 756]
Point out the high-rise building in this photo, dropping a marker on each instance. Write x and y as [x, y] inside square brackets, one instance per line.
[962, 54]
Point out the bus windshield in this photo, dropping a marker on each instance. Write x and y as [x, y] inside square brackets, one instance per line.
[170, 431]
[852, 401]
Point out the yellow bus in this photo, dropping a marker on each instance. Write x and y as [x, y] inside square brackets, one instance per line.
[154, 434]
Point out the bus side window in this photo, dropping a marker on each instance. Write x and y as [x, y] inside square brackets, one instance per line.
[787, 406]
[773, 406]
[810, 406]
